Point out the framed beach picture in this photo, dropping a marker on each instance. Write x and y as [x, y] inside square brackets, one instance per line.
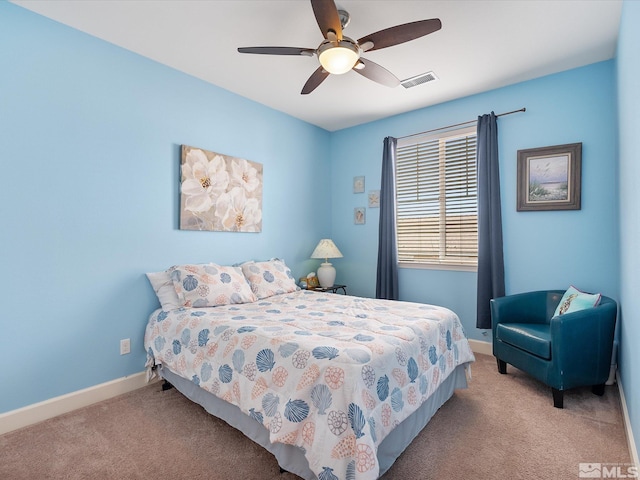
[358, 184]
[359, 215]
[549, 178]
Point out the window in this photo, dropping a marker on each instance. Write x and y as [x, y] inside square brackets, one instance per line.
[436, 200]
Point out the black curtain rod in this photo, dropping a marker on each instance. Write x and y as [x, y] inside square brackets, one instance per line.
[523, 109]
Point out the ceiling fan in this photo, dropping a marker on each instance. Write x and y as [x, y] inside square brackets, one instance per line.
[339, 54]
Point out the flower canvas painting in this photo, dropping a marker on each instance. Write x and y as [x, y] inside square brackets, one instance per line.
[219, 193]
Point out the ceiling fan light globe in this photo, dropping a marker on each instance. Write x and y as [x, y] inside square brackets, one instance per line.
[340, 58]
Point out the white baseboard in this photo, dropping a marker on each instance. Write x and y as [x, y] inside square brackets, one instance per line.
[633, 449]
[478, 346]
[38, 412]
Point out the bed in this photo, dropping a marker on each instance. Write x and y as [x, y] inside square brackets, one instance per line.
[334, 386]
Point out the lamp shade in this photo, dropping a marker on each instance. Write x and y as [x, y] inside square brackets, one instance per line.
[326, 249]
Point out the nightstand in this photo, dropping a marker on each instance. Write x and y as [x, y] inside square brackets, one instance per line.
[333, 289]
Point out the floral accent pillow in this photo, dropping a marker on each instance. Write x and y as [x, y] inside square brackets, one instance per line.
[269, 278]
[210, 285]
[574, 300]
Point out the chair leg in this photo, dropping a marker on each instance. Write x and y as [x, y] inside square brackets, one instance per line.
[558, 397]
[598, 389]
[502, 366]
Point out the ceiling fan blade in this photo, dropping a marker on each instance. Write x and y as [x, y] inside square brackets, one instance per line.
[315, 79]
[278, 50]
[400, 34]
[375, 72]
[327, 17]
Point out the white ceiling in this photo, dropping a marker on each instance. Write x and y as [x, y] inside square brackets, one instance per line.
[482, 45]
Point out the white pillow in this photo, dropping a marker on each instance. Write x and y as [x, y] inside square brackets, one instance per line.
[163, 286]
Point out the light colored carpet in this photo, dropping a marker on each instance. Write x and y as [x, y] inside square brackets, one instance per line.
[502, 427]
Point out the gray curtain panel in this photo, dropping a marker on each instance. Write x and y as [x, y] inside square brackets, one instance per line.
[490, 257]
[387, 274]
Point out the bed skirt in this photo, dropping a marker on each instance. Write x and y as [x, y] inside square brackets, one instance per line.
[290, 457]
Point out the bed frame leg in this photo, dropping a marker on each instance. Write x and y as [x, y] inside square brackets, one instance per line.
[282, 470]
[166, 386]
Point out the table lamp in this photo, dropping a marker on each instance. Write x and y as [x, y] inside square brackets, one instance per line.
[326, 273]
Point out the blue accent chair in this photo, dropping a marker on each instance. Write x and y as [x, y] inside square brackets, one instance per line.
[563, 352]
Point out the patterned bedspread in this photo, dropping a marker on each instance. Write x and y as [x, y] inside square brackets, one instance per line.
[332, 374]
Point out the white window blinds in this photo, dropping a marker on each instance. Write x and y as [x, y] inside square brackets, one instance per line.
[436, 199]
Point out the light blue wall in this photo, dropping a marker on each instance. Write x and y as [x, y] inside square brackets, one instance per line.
[89, 148]
[542, 249]
[628, 70]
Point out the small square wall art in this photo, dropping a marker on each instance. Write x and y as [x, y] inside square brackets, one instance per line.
[219, 193]
[374, 199]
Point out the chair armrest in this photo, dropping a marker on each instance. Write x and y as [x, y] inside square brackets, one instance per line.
[582, 341]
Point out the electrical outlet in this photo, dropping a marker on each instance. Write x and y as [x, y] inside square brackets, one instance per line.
[125, 346]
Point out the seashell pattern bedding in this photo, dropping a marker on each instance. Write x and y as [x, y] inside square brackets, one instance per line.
[331, 374]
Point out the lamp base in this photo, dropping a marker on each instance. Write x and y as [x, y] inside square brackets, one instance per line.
[326, 275]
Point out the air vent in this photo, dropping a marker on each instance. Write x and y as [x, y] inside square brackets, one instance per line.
[419, 80]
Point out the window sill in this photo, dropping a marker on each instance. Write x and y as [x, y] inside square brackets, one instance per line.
[438, 266]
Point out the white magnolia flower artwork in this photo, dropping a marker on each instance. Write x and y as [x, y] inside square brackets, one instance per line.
[219, 193]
